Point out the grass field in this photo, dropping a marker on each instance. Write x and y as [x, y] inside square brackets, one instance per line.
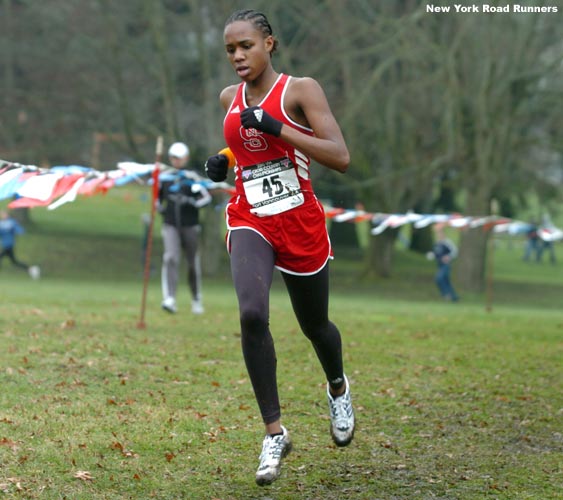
[452, 401]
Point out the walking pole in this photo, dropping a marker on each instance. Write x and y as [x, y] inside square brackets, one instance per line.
[155, 174]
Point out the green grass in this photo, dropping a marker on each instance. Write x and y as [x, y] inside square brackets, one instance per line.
[452, 401]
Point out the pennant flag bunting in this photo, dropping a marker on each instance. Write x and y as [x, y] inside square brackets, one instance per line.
[69, 196]
[9, 182]
[31, 186]
[382, 221]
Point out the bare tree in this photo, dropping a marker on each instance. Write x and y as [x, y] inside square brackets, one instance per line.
[471, 98]
[497, 103]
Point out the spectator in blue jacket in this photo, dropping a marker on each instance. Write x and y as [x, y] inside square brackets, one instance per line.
[9, 229]
[443, 251]
[533, 243]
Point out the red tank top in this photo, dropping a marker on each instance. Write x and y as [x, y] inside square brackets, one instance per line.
[252, 147]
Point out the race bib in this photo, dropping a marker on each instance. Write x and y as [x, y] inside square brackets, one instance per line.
[272, 187]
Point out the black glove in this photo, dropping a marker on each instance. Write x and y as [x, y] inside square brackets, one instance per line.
[256, 117]
[216, 167]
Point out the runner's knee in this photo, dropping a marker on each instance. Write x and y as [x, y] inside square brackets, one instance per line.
[253, 322]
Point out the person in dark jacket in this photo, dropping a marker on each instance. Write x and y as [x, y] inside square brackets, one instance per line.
[181, 195]
[443, 251]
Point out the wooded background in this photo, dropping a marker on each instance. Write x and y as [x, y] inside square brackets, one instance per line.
[441, 112]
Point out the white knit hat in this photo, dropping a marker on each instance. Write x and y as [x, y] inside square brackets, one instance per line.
[178, 150]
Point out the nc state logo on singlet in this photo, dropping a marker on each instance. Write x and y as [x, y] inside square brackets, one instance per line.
[253, 140]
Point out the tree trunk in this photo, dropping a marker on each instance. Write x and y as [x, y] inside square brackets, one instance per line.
[8, 94]
[470, 267]
[115, 61]
[421, 239]
[213, 238]
[380, 256]
[168, 88]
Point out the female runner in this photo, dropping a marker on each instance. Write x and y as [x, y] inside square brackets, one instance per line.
[274, 125]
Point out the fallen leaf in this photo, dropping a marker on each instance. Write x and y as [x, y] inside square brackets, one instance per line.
[16, 482]
[116, 446]
[9, 443]
[83, 475]
[69, 323]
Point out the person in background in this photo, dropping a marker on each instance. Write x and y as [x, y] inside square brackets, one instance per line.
[9, 230]
[533, 243]
[274, 126]
[546, 244]
[443, 251]
[181, 195]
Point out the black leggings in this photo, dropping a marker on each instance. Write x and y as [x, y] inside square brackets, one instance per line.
[252, 268]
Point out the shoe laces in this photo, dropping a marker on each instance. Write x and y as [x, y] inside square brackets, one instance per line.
[272, 449]
[340, 409]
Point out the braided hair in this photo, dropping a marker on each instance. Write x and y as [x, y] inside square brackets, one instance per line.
[258, 20]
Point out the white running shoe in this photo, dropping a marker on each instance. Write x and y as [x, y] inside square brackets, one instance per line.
[34, 272]
[169, 305]
[197, 307]
[342, 421]
[274, 448]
